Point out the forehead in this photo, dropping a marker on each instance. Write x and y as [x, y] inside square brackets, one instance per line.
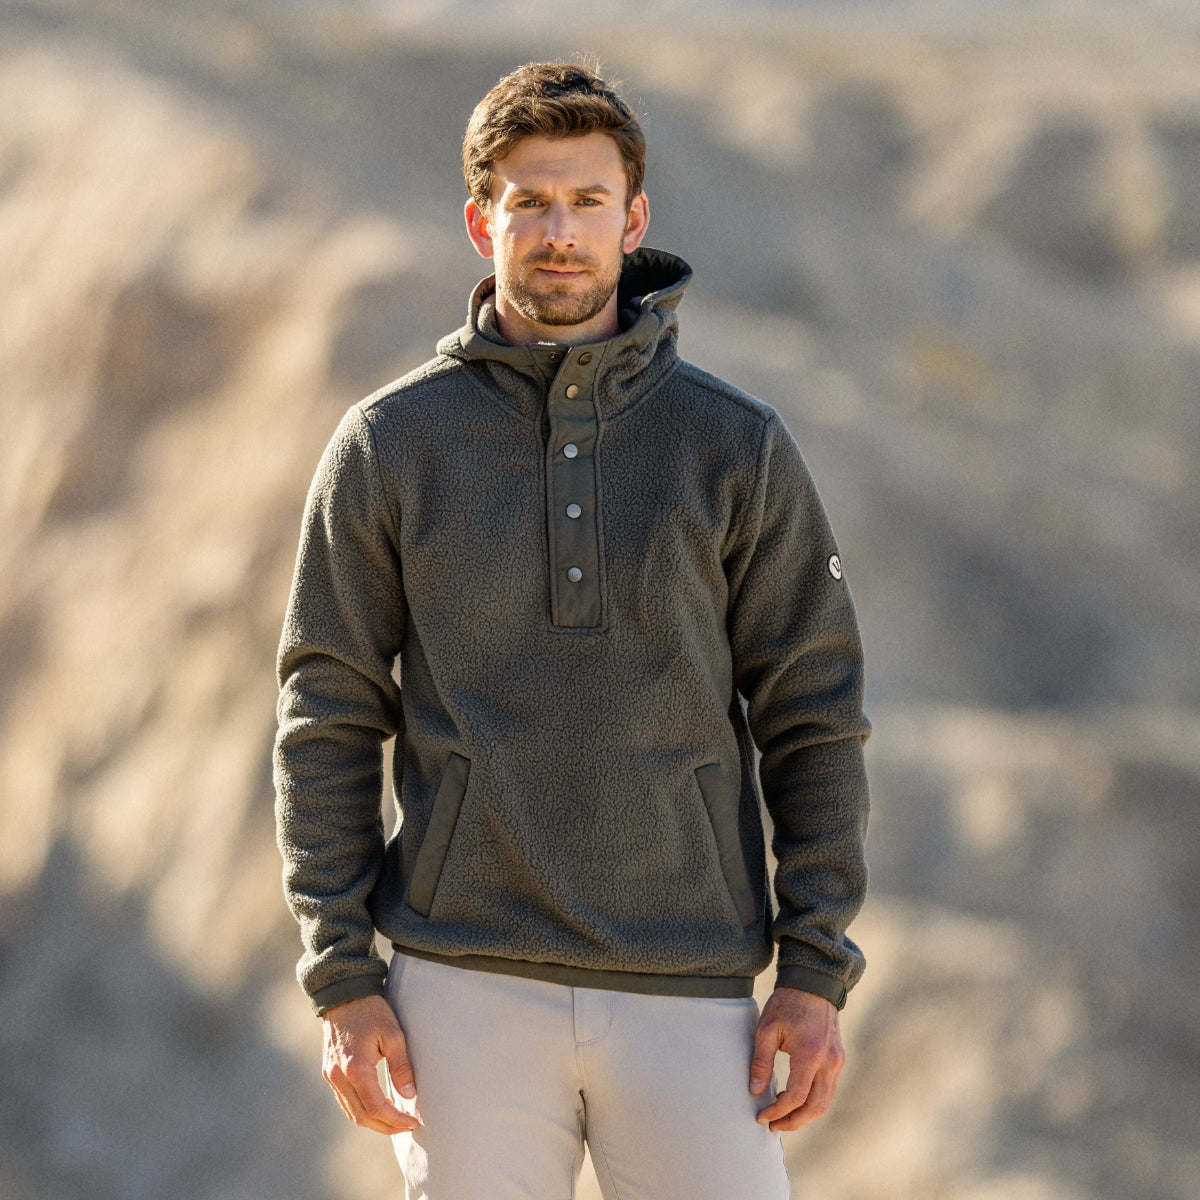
[545, 162]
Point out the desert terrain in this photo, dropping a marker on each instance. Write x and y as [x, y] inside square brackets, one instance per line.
[956, 245]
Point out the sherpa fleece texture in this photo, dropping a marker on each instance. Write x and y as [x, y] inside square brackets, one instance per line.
[575, 777]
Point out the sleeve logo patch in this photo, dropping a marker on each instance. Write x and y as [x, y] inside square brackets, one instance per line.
[835, 566]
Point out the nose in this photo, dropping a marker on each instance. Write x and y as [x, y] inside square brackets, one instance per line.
[559, 233]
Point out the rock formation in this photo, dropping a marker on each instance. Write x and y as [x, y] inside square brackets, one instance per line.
[959, 249]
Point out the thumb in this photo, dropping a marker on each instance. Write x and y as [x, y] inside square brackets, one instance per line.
[762, 1065]
[400, 1071]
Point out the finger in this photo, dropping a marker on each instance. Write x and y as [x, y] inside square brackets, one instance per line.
[793, 1121]
[345, 1095]
[801, 1076]
[762, 1065]
[787, 1102]
[363, 1101]
[373, 1110]
[384, 1117]
[816, 1103]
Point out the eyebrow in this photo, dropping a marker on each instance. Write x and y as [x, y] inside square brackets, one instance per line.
[595, 189]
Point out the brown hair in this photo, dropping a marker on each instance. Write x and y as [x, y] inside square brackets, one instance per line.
[548, 100]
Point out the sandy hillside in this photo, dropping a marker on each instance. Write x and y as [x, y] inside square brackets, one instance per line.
[958, 248]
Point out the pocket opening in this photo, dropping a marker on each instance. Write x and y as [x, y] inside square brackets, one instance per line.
[718, 799]
[427, 870]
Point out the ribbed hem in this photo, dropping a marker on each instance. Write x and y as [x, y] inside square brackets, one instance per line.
[345, 990]
[722, 987]
[805, 979]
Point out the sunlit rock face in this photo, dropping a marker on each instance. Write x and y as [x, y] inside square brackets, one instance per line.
[960, 255]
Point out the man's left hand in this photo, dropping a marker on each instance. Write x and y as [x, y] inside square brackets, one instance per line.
[805, 1028]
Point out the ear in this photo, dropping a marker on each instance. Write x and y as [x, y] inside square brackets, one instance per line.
[636, 223]
[478, 229]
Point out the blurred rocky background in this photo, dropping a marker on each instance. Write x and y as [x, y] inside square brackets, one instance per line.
[957, 245]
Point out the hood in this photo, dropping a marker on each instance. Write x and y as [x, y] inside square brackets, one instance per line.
[651, 286]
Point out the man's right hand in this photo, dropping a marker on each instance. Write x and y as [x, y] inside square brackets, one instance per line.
[358, 1035]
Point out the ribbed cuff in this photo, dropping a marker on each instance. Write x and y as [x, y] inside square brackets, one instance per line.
[805, 979]
[355, 988]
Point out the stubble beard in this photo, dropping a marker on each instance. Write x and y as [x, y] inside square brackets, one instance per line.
[548, 303]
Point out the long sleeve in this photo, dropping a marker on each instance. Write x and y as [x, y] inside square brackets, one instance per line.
[338, 703]
[798, 664]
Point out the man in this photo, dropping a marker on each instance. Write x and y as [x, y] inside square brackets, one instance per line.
[606, 576]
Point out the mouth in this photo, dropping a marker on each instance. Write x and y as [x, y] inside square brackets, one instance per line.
[560, 268]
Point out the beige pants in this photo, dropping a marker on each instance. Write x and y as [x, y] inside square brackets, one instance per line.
[513, 1075]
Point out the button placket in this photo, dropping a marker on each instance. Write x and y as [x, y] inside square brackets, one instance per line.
[572, 530]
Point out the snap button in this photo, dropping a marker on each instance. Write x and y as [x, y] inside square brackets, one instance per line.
[573, 511]
[570, 450]
[585, 359]
[574, 574]
[572, 391]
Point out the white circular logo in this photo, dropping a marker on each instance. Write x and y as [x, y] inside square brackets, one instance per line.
[835, 566]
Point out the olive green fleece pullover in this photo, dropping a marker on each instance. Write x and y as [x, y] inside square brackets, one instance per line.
[579, 558]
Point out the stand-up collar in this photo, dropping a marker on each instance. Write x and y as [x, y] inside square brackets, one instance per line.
[613, 373]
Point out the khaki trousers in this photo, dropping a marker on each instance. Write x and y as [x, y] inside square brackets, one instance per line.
[513, 1075]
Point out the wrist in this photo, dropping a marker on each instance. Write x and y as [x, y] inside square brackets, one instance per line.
[805, 979]
[358, 987]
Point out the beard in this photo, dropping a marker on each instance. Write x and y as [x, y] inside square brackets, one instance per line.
[539, 299]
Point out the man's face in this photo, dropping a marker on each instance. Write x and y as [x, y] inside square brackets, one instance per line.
[558, 228]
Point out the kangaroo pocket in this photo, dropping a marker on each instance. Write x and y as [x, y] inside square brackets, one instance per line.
[719, 800]
[428, 868]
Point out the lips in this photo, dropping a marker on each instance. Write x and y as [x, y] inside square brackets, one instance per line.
[564, 268]
[554, 280]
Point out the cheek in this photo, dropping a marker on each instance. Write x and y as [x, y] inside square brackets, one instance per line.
[502, 252]
[511, 244]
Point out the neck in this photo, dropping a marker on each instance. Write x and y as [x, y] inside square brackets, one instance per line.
[519, 330]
